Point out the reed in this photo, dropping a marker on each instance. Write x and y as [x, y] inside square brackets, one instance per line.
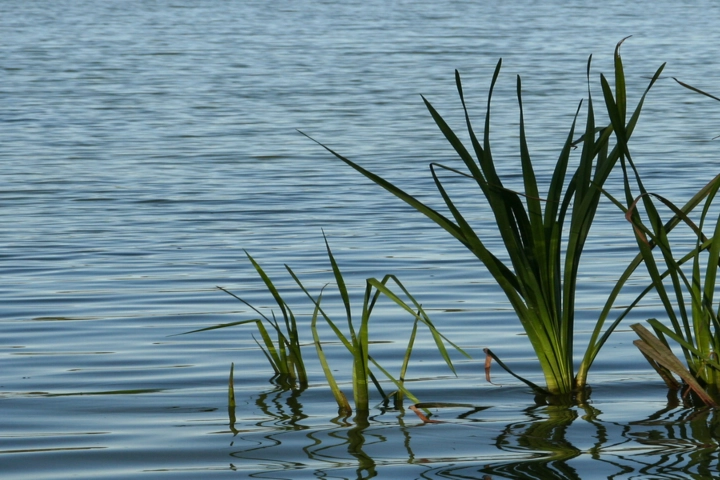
[357, 339]
[686, 292]
[285, 355]
[687, 296]
[543, 234]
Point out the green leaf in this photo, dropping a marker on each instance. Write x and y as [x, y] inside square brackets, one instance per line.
[342, 401]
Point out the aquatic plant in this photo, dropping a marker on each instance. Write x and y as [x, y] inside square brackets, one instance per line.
[687, 297]
[358, 342]
[544, 251]
[285, 356]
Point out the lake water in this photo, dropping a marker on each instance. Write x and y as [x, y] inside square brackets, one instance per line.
[145, 145]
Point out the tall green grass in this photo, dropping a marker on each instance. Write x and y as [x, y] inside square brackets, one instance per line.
[284, 353]
[357, 338]
[687, 294]
[685, 281]
[544, 232]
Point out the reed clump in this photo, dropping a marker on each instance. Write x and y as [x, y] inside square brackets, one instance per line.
[685, 282]
[544, 229]
[285, 353]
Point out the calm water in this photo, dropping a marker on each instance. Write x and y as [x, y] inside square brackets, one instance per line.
[146, 144]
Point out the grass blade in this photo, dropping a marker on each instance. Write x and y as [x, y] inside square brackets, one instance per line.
[530, 384]
[342, 401]
[231, 387]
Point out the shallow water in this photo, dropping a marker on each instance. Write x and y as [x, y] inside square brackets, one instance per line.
[146, 145]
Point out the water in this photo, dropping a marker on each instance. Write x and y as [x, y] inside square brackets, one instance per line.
[146, 145]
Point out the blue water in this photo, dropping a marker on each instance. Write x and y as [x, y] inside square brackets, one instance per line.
[145, 145]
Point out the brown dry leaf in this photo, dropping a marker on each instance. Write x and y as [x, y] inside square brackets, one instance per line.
[488, 363]
[422, 416]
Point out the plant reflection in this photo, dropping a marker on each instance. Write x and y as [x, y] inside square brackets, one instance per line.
[544, 433]
[683, 439]
[352, 436]
[547, 442]
[283, 413]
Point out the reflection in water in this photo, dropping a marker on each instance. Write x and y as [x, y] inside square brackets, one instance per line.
[340, 446]
[682, 439]
[542, 435]
[353, 437]
[284, 412]
[546, 436]
[547, 442]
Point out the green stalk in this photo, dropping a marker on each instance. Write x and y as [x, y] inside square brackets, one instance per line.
[283, 354]
[344, 408]
[231, 387]
[296, 366]
[406, 363]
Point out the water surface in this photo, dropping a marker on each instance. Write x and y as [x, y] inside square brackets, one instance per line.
[146, 145]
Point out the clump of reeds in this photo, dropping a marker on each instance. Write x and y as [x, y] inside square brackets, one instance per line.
[285, 354]
[357, 340]
[687, 294]
[544, 232]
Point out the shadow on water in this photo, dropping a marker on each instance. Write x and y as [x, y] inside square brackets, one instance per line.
[541, 442]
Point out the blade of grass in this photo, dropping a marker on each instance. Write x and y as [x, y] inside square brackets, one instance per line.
[530, 384]
[406, 362]
[702, 92]
[342, 401]
[231, 387]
